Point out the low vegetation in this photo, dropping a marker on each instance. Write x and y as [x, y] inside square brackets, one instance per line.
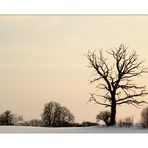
[127, 122]
[104, 116]
[144, 118]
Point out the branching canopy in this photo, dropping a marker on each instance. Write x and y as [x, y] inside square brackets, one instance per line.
[117, 79]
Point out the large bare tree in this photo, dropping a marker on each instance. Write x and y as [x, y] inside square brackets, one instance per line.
[115, 78]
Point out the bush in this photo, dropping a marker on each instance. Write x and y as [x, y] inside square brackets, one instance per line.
[127, 122]
[104, 116]
[144, 118]
[87, 123]
[33, 122]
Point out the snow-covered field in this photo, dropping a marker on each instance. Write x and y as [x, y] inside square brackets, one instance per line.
[93, 129]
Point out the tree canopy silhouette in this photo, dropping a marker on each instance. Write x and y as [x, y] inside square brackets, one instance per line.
[116, 78]
[55, 115]
[8, 118]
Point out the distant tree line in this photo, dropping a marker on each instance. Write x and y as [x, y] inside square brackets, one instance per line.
[55, 115]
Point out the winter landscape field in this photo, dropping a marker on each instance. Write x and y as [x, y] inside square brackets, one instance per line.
[73, 74]
[93, 129]
[74, 80]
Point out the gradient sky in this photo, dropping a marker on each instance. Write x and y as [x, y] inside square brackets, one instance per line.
[42, 59]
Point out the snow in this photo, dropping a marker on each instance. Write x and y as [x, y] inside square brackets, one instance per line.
[93, 129]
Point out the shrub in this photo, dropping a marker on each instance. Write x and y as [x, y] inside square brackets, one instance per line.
[144, 118]
[33, 122]
[87, 123]
[127, 122]
[104, 116]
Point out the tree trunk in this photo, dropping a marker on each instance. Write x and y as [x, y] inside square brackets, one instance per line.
[113, 114]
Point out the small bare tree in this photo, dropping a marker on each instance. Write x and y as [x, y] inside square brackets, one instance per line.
[8, 118]
[116, 79]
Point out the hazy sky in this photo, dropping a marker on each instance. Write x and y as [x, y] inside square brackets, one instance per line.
[42, 59]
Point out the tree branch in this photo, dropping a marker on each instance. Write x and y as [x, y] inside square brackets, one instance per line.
[92, 98]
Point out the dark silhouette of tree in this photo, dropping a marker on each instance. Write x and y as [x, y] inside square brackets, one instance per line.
[104, 116]
[63, 116]
[116, 79]
[48, 115]
[55, 115]
[144, 117]
[8, 118]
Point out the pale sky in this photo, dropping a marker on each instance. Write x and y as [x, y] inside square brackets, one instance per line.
[42, 60]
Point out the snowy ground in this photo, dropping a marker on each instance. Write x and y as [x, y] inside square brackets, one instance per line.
[94, 129]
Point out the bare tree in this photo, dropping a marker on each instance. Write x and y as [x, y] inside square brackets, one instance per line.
[55, 115]
[116, 79]
[8, 118]
[48, 113]
[65, 116]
